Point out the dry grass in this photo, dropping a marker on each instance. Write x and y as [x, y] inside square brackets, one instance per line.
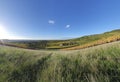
[95, 64]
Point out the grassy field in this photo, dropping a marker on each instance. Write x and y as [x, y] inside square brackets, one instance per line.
[95, 64]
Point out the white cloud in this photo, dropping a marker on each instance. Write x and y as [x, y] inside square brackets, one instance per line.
[68, 26]
[51, 22]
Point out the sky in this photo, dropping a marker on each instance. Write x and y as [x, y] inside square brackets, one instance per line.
[57, 19]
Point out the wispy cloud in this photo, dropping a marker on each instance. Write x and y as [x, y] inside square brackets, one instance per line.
[51, 22]
[68, 26]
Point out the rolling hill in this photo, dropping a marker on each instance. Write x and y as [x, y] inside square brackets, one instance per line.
[70, 44]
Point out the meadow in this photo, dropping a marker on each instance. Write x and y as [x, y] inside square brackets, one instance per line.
[95, 64]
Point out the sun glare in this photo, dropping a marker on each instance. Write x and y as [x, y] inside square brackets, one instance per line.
[3, 33]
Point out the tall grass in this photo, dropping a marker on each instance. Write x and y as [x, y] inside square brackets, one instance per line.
[97, 64]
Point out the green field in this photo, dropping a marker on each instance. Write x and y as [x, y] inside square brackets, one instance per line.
[95, 64]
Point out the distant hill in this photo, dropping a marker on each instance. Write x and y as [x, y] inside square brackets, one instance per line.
[97, 39]
[70, 44]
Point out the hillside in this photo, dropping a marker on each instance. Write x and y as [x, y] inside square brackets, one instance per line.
[95, 64]
[70, 44]
[97, 39]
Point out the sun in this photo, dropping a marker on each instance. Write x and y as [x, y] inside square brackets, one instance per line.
[3, 33]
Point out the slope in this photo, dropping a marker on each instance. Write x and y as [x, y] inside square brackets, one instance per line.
[95, 64]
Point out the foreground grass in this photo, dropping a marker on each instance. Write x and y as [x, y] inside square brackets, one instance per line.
[97, 64]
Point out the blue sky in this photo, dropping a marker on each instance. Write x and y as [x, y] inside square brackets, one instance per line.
[59, 19]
